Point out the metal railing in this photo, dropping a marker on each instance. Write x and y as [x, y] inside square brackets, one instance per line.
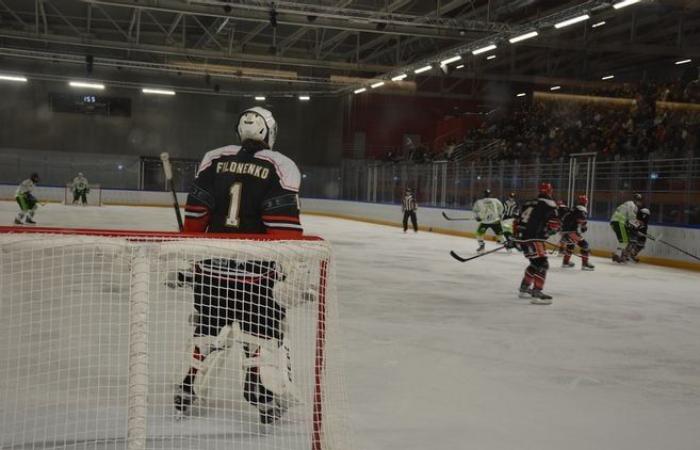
[671, 187]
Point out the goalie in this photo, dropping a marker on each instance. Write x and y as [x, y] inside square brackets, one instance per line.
[242, 190]
[81, 189]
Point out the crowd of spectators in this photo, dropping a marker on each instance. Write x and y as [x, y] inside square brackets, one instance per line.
[638, 127]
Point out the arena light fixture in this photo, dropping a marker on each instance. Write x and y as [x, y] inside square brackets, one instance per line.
[450, 60]
[490, 57]
[158, 91]
[572, 21]
[377, 84]
[521, 94]
[625, 3]
[304, 98]
[18, 78]
[683, 61]
[523, 37]
[84, 85]
[608, 77]
[422, 69]
[481, 50]
[399, 77]
[555, 88]
[260, 98]
[598, 24]
[461, 66]
[360, 91]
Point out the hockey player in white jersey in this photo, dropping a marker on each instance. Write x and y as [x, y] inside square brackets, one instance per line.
[80, 188]
[26, 200]
[488, 212]
[624, 220]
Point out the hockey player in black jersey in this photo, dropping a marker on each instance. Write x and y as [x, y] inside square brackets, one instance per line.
[537, 221]
[638, 238]
[574, 223]
[244, 189]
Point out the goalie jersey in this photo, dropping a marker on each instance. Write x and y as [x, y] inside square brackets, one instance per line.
[245, 190]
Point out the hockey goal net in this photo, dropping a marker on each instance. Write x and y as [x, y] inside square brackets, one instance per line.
[93, 196]
[100, 331]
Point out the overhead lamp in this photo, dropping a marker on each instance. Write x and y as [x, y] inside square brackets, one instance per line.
[572, 21]
[625, 3]
[378, 84]
[608, 77]
[423, 69]
[259, 98]
[555, 88]
[522, 94]
[13, 78]
[481, 50]
[82, 84]
[360, 91]
[450, 60]
[523, 37]
[491, 57]
[598, 24]
[461, 66]
[304, 98]
[157, 91]
[399, 77]
[683, 61]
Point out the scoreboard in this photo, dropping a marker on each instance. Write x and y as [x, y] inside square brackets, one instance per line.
[90, 104]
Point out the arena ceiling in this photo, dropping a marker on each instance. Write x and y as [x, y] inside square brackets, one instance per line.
[330, 47]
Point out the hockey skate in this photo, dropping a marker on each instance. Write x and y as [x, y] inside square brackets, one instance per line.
[17, 221]
[30, 221]
[540, 298]
[524, 292]
[270, 414]
[481, 248]
[587, 266]
[617, 259]
[568, 265]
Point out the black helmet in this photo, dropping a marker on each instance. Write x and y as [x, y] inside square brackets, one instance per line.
[511, 195]
[487, 193]
[34, 177]
[637, 198]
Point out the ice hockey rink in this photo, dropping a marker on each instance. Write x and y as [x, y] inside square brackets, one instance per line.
[444, 355]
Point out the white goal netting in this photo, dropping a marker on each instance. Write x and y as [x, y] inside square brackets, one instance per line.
[159, 341]
[93, 196]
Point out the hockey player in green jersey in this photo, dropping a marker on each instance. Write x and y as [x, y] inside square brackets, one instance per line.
[488, 212]
[624, 220]
[26, 200]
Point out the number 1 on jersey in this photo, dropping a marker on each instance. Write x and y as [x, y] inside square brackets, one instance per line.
[234, 207]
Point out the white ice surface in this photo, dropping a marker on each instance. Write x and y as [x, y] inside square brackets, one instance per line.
[443, 355]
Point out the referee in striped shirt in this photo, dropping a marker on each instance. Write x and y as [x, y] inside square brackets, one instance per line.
[409, 207]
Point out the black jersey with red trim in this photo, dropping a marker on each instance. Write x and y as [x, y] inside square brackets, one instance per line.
[575, 219]
[244, 190]
[538, 218]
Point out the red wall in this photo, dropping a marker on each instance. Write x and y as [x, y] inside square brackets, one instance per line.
[385, 119]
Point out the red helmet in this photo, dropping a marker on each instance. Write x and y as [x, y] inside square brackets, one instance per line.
[583, 200]
[547, 189]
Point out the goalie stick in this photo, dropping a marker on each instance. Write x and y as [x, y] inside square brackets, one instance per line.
[168, 170]
[658, 239]
[455, 218]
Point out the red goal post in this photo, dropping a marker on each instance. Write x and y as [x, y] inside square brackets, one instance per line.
[97, 330]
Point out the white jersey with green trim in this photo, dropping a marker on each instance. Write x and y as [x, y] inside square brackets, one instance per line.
[489, 210]
[25, 187]
[626, 213]
[80, 183]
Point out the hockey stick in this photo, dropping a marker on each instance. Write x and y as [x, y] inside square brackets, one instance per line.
[546, 242]
[168, 170]
[658, 239]
[461, 259]
[455, 218]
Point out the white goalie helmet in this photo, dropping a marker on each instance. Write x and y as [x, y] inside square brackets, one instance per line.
[257, 124]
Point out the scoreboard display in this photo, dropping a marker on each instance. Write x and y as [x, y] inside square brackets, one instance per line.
[90, 104]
